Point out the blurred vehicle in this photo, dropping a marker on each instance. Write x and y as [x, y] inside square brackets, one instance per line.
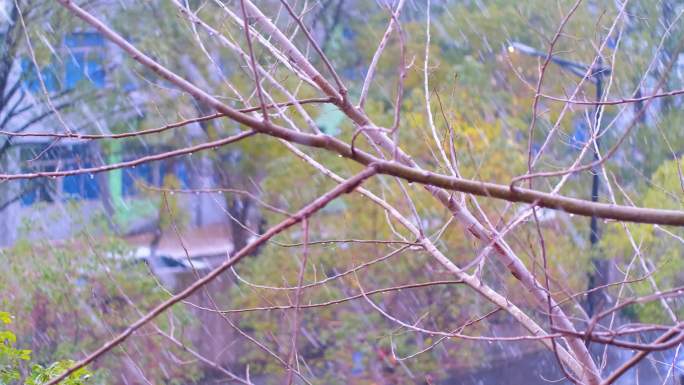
[165, 268]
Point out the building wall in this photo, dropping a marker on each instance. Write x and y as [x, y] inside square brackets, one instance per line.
[108, 198]
[72, 203]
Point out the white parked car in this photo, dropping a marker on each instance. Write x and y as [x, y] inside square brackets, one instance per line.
[164, 267]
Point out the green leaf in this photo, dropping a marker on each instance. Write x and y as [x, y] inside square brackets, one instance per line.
[25, 354]
[8, 337]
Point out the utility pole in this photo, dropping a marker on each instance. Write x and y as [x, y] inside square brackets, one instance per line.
[595, 299]
[595, 73]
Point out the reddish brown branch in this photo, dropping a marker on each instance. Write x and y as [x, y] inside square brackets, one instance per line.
[75, 135]
[348, 186]
[614, 102]
[571, 205]
[132, 163]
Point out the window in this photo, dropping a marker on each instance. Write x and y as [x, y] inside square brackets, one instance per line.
[131, 176]
[152, 174]
[179, 169]
[35, 158]
[82, 58]
[66, 157]
[31, 80]
[85, 59]
[37, 191]
[80, 187]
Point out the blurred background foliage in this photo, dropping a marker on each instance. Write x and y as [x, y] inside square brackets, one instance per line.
[68, 297]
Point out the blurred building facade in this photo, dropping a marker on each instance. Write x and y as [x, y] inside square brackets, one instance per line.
[62, 206]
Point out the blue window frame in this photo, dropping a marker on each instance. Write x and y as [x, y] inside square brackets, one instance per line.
[83, 58]
[37, 190]
[144, 173]
[84, 39]
[86, 186]
[141, 173]
[41, 191]
[29, 197]
[77, 187]
[80, 187]
[71, 185]
[31, 80]
[181, 172]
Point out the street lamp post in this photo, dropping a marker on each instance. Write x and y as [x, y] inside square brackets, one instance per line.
[596, 74]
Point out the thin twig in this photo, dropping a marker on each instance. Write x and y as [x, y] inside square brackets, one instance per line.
[348, 186]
